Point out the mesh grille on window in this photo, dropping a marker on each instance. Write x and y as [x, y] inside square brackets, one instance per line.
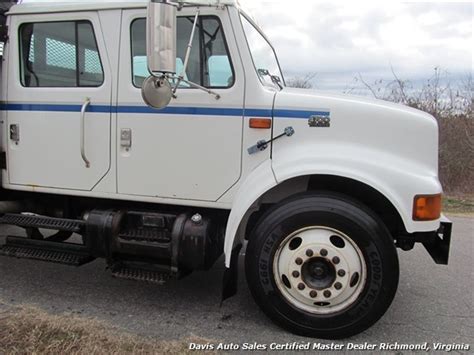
[60, 54]
[92, 62]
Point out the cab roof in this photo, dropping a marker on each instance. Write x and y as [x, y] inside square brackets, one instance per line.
[45, 7]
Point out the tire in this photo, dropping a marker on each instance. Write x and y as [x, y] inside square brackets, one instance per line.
[321, 220]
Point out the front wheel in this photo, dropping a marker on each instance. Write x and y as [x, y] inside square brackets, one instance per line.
[322, 265]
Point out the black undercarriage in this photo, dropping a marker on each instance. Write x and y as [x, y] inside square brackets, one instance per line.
[139, 241]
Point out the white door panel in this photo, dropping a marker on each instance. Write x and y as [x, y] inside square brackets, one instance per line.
[180, 157]
[192, 149]
[48, 153]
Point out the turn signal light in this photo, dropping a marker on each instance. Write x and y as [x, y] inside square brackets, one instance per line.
[262, 123]
[426, 207]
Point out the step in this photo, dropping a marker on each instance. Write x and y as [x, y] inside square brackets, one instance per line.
[34, 221]
[61, 253]
[130, 272]
[146, 235]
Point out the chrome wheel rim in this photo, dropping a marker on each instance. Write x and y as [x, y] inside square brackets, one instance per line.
[319, 270]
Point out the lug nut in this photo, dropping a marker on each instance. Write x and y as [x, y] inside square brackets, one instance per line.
[313, 294]
[337, 285]
[327, 293]
[323, 252]
[301, 286]
[309, 252]
[299, 261]
[336, 260]
[296, 274]
[341, 272]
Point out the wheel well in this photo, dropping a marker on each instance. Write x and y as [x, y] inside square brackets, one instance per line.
[360, 191]
[364, 193]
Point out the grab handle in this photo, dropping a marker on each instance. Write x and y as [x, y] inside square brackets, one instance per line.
[83, 149]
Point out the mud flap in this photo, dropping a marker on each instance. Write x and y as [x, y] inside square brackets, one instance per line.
[438, 245]
[231, 275]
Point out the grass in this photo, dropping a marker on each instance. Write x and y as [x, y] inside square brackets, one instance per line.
[458, 204]
[28, 330]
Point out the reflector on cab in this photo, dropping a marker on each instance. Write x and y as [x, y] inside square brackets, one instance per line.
[262, 123]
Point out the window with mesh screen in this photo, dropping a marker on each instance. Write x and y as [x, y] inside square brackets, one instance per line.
[60, 54]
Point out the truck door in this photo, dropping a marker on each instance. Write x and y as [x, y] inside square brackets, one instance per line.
[192, 148]
[58, 101]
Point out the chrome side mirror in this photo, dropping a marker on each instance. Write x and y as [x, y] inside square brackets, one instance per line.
[161, 37]
[161, 53]
[157, 91]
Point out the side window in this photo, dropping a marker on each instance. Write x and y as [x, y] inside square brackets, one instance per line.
[59, 54]
[209, 62]
[263, 55]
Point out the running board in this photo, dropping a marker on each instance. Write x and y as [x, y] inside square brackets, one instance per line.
[61, 253]
[138, 273]
[34, 221]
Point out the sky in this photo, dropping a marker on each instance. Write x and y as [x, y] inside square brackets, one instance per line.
[341, 40]
[338, 40]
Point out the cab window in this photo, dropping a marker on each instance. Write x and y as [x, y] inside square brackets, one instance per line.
[59, 54]
[263, 56]
[209, 62]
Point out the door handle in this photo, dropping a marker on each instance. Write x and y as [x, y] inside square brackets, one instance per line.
[83, 138]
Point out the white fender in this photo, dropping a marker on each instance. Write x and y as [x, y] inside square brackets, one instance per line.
[397, 181]
[259, 181]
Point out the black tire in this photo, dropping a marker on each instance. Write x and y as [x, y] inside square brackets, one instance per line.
[335, 211]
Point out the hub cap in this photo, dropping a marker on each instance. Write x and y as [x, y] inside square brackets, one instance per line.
[318, 273]
[319, 269]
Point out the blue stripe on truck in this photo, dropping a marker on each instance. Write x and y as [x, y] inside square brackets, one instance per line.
[173, 110]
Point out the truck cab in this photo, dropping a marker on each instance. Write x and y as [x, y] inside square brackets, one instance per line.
[161, 171]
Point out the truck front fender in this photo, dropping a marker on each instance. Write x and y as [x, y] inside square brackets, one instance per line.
[397, 179]
[259, 181]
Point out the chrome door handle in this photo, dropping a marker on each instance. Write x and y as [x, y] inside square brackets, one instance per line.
[83, 138]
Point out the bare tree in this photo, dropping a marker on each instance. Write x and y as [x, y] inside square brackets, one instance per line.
[304, 82]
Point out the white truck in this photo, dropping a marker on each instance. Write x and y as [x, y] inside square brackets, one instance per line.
[320, 188]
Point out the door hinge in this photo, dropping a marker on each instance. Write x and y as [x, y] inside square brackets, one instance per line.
[3, 160]
[3, 33]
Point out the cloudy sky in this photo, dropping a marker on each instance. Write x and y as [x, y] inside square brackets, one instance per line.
[337, 40]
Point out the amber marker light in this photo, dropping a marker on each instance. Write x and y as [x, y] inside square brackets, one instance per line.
[426, 207]
[262, 123]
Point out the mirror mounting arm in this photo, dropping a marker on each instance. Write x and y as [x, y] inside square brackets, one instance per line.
[197, 86]
[188, 52]
[180, 78]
